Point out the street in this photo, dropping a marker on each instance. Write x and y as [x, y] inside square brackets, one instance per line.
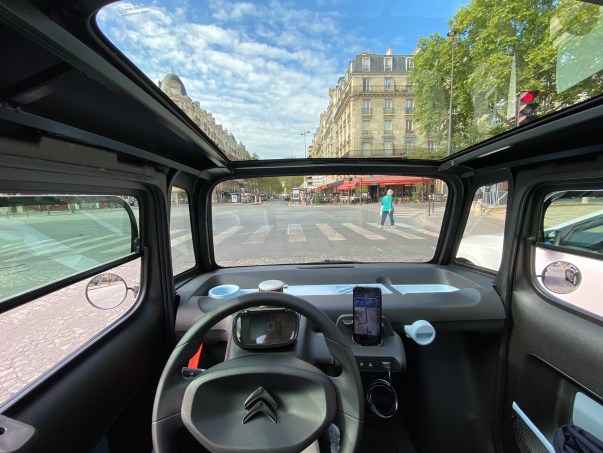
[277, 232]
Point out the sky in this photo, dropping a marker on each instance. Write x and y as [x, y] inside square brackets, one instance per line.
[264, 68]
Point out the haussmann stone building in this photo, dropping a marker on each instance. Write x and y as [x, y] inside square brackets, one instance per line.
[370, 112]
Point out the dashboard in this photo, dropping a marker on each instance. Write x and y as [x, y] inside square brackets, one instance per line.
[458, 300]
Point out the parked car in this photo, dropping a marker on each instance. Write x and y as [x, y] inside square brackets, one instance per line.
[148, 325]
[572, 274]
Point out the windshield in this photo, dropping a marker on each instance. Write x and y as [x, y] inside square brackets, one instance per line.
[296, 219]
[336, 78]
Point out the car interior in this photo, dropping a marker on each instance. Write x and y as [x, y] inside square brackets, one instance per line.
[172, 337]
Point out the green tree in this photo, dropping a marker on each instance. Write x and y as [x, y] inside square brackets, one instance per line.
[289, 182]
[491, 37]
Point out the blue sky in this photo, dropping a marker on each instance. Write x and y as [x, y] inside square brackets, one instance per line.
[264, 68]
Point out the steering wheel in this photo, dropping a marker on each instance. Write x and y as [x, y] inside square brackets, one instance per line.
[265, 402]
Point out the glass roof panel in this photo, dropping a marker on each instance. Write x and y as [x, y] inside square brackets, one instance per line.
[336, 78]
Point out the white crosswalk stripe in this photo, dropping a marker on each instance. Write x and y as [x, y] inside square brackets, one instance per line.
[260, 235]
[363, 231]
[296, 233]
[397, 232]
[220, 237]
[51, 246]
[418, 229]
[75, 247]
[330, 232]
[181, 240]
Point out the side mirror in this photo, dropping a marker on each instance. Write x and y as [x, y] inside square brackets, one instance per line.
[561, 277]
[106, 291]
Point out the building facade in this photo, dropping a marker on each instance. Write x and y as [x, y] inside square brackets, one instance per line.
[370, 112]
[174, 88]
[227, 191]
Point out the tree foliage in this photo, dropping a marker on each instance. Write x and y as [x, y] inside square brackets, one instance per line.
[543, 39]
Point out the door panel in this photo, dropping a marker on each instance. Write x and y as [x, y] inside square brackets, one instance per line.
[555, 347]
[101, 392]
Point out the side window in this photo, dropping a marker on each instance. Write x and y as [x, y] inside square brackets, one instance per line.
[482, 242]
[569, 251]
[181, 237]
[45, 238]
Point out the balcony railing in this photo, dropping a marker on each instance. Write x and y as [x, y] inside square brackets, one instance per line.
[367, 111]
[388, 131]
[409, 110]
[388, 111]
[376, 89]
[374, 153]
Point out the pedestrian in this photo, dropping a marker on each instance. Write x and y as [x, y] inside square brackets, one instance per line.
[387, 207]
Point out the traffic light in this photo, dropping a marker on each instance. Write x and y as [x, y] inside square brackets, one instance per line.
[527, 103]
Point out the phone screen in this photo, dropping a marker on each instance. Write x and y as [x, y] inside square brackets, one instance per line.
[367, 316]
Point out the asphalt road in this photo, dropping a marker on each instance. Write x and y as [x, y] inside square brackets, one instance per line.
[277, 232]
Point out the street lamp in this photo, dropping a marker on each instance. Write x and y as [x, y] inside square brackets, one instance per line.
[305, 148]
[451, 34]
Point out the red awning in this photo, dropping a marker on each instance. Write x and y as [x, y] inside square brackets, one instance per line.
[390, 180]
[383, 181]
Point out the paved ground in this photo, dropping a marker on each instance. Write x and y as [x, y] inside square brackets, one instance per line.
[40, 334]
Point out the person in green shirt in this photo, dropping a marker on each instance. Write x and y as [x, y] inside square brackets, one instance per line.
[387, 207]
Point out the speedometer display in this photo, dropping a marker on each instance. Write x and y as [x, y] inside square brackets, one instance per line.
[265, 328]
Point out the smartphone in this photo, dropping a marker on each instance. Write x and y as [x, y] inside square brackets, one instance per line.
[367, 315]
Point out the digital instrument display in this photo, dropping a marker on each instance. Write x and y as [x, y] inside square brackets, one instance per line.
[265, 328]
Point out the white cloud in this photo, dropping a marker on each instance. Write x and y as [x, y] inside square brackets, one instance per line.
[234, 12]
[264, 83]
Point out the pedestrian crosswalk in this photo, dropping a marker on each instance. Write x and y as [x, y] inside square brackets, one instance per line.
[106, 248]
[315, 232]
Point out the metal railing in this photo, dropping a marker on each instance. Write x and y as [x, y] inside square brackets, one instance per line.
[376, 89]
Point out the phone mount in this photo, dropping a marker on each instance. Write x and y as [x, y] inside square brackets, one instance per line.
[389, 356]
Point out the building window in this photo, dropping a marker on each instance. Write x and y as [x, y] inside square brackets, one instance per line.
[431, 145]
[410, 105]
[388, 63]
[388, 106]
[408, 146]
[408, 64]
[366, 84]
[366, 64]
[408, 125]
[387, 127]
[366, 107]
[388, 148]
[366, 149]
[388, 84]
